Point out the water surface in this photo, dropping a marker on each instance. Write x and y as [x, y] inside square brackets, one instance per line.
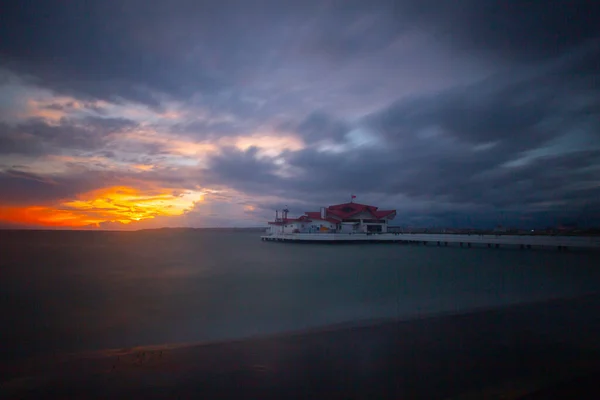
[71, 291]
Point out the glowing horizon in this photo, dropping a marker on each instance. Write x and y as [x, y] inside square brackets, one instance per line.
[120, 204]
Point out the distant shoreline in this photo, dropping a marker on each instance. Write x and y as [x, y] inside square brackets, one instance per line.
[583, 232]
[251, 229]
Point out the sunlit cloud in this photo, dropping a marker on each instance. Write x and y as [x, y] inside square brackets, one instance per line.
[114, 204]
[126, 204]
[143, 167]
[62, 164]
[55, 108]
[37, 109]
[269, 145]
[173, 148]
[21, 100]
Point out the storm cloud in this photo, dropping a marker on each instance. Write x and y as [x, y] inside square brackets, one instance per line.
[37, 136]
[441, 110]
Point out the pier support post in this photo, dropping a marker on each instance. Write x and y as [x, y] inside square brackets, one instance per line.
[438, 244]
[497, 245]
[469, 244]
[529, 246]
[489, 245]
[445, 243]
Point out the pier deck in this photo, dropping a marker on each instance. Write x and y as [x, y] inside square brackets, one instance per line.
[560, 242]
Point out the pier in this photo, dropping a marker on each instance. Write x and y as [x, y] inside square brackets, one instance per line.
[462, 240]
[362, 223]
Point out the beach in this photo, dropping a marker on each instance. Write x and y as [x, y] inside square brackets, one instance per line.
[513, 351]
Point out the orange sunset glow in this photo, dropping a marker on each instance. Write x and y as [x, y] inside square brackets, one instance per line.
[115, 204]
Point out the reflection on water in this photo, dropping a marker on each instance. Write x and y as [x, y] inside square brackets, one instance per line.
[67, 291]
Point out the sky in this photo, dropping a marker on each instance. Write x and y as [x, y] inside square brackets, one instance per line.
[131, 114]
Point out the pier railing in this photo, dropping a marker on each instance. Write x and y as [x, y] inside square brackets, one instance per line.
[444, 239]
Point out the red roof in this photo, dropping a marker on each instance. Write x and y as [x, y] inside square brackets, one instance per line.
[347, 210]
[384, 213]
[341, 211]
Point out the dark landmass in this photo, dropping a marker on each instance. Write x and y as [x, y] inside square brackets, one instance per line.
[533, 351]
[250, 229]
[501, 231]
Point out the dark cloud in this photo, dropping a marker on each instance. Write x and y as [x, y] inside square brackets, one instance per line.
[445, 141]
[319, 173]
[56, 107]
[548, 184]
[39, 137]
[19, 188]
[203, 129]
[108, 125]
[523, 113]
[95, 50]
[14, 142]
[72, 106]
[242, 170]
[318, 126]
[131, 49]
[341, 31]
[508, 30]
[485, 144]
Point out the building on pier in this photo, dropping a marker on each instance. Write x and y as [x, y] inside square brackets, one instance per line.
[340, 218]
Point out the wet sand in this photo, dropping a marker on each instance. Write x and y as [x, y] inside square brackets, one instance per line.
[526, 351]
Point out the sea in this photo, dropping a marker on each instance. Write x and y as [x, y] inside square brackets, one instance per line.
[72, 291]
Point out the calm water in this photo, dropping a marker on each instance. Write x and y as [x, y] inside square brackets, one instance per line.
[69, 291]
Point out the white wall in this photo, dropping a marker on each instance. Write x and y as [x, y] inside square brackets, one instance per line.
[292, 226]
[347, 228]
[289, 228]
[273, 229]
[316, 223]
